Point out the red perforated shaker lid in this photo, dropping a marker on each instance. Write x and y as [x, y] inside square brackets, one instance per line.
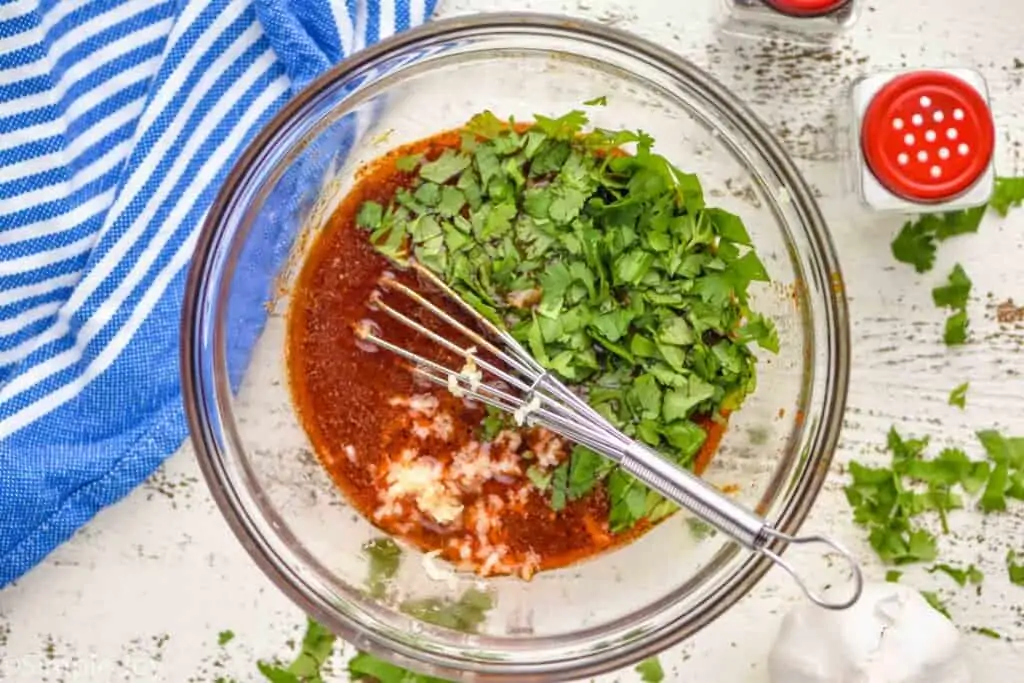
[928, 136]
[806, 8]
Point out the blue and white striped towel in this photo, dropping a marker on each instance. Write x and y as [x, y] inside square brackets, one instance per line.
[118, 121]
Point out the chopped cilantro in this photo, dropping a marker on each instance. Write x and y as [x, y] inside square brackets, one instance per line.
[445, 167]
[370, 215]
[560, 487]
[601, 101]
[916, 242]
[317, 646]
[1002, 449]
[893, 576]
[953, 294]
[958, 397]
[962, 577]
[932, 598]
[987, 632]
[225, 637]
[408, 163]
[1016, 571]
[384, 556]
[366, 667]
[650, 670]
[956, 329]
[886, 500]
[1008, 193]
[607, 266]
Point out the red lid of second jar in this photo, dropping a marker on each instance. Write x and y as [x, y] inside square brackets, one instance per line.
[928, 136]
[806, 8]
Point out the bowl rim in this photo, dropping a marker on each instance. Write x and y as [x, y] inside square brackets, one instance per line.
[836, 315]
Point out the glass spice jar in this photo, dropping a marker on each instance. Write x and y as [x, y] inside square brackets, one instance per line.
[919, 141]
[803, 20]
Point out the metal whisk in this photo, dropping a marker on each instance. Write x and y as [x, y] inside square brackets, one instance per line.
[543, 400]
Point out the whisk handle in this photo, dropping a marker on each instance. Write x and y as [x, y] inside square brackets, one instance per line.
[700, 498]
[694, 494]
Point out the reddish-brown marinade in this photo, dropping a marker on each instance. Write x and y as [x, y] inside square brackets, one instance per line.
[354, 402]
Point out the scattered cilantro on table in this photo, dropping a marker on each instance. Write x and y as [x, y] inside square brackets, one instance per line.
[916, 245]
[308, 667]
[962, 577]
[933, 599]
[917, 240]
[650, 670]
[366, 667]
[888, 501]
[958, 397]
[602, 259]
[225, 637]
[954, 294]
[1009, 193]
[1015, 571]
[987, 632]
[956, 329]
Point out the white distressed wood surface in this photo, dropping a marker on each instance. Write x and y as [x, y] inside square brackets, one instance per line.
[141, 593]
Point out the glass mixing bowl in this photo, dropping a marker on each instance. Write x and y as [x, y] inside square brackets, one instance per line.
[602, 614]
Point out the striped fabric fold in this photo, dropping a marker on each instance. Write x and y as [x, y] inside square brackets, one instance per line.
[119, 119]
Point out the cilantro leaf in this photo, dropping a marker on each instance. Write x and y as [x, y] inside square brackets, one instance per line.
[1002, 449]
[597, 102]
[957, 222]
[987, 632]
[961, 576]
[486, 125]
[564, 127]
[956, 329]
[445, 167]
[958, 397]
[408, 163]
[915, 244]
[1015, 571]
[317, 646]
[650, 671]
[1008, 193]
[366, 667]
[933, 599]
[955, 293]
[276, 674]
[679, 403]
[560, 487]
[225, 637]
[370, 215]
[994, 497]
